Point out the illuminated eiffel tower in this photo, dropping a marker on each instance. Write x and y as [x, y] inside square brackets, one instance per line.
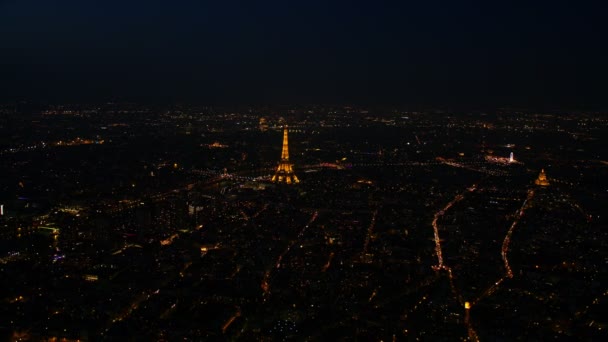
[284, 173]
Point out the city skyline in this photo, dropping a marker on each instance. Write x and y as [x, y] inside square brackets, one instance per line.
[128, 221]
[303, 170]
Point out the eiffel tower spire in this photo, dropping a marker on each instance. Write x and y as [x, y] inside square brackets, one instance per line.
[285, 150]
[284, 173]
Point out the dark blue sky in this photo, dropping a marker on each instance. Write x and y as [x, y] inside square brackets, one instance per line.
[550, 53]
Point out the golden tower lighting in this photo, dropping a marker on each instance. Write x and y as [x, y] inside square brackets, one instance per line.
[284, 173]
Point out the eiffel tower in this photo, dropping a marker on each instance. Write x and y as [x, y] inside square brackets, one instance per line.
[284, 173]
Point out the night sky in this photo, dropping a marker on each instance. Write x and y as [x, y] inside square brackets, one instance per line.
[520, 53]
